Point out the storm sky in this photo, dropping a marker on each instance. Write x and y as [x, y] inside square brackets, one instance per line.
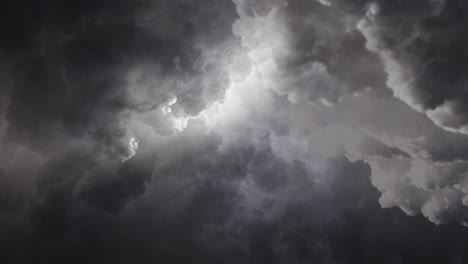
[234, 131]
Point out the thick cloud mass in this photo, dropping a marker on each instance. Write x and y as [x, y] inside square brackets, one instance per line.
[233, 131]
[424, 52]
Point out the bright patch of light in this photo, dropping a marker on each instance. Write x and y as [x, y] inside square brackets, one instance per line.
[167, 108]
[180, 123]
[260, 36]
[132, 147]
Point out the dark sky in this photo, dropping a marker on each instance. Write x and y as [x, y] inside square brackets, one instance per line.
[234, 131]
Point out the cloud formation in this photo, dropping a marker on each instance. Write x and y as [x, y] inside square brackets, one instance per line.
[244, 131]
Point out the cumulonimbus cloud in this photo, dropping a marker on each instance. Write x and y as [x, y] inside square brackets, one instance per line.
[266, 131]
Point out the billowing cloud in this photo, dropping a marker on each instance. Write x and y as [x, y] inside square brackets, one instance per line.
[244, 131]
[307, 51]
[422, 54]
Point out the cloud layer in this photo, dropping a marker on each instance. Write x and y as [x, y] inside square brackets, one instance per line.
[245, 131]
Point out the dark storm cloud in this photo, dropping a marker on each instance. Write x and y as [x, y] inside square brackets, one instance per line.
[189, 214]
[68, 64]
[317, 52]
[66, 101]
[296, 50]
[423, 45]
[189, 131]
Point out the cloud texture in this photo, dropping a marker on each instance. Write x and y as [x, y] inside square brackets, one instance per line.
[243, 131]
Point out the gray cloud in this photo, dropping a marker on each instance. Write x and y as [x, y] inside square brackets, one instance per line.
[232, 131]
[421, 54]
[307, 51]
[86, 68]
